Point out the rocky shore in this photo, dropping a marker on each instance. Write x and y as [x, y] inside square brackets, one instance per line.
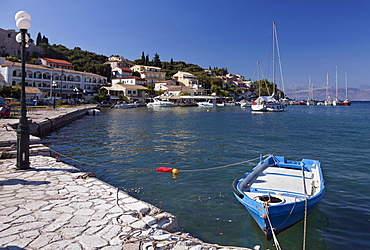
[56, 206]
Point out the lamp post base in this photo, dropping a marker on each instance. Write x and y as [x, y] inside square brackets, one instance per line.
[23, 142]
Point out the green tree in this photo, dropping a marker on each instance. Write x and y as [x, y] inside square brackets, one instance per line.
[142, 62]
[102, 96]
[147, 62]
[12, 59]
[266, 88]
[45, 40]
[8, 91]
[150, 87]
[215, 89]
[156, 61]
[38, 39]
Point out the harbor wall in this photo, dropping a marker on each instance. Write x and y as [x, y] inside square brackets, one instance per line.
[51, 124]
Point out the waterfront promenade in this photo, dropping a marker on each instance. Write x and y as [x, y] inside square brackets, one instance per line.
[56, 206]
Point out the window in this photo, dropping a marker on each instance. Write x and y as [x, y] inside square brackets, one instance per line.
[9, 35]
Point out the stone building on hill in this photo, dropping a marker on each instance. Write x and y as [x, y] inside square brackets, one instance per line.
[10, 47]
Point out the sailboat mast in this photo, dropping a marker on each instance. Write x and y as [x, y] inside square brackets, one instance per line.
[336, 82]
[279, 60]
[345, 76]
[327, 85]
[259, 79]
[309, 88]
[273, 58]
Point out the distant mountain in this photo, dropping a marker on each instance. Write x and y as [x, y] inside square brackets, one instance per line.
[365, 86]
[300, 92]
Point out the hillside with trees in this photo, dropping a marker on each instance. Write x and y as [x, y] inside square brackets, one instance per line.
[95, 63]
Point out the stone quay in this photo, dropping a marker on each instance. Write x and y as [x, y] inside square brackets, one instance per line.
[56, 206]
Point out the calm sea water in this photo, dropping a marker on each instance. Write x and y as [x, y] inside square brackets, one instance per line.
[124, 147]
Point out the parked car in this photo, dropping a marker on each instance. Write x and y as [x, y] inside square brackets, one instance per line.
[11, 102]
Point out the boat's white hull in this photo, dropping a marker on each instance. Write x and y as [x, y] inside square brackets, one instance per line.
[245, 104]
[270, 107]
[159, 104]
[125, 106]
[206, 104]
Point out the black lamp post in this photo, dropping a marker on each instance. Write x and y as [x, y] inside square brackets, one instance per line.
[54, 85]
[23, 21]
[76, 91]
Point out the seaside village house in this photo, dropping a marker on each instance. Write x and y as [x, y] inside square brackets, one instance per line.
[247, 87]
[133, 87]
[53, 77]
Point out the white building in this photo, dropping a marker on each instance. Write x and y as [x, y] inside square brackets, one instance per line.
[186, 78]
[43, 76]
[150, 73]
[129, 80]
[132, 92]
[121, 72]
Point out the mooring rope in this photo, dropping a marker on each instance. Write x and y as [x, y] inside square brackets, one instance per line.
[186, 170]
[224, 166]
[305, 209]
[70, 158]
[272, 229]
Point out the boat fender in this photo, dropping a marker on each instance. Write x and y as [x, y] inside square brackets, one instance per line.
[164, 169]
[235, 190]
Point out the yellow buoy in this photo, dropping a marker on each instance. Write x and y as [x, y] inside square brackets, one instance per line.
[175, 171]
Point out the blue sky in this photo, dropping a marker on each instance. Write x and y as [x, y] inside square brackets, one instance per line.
[315, 36]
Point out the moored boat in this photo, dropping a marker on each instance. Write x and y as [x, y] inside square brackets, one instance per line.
[124, 105]
[267, 104]
[278, 193]
[207, 103]
[93, 112]
[159, 103]
[346, 102]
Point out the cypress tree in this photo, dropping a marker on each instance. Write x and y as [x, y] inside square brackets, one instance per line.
[147, 63]
[142, 59]
[38, 39]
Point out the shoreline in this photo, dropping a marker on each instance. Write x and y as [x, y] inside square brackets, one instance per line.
[56, 206]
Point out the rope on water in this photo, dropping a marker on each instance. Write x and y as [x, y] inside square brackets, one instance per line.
[224, 166]
[186, 170]
[70, 158]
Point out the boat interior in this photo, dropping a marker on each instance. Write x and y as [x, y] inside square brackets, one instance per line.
[282, 183]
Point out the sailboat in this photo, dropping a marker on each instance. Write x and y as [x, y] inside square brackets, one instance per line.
[346, 102]
[310, 100]
[270, 103]
[328, 101]
[336, 101]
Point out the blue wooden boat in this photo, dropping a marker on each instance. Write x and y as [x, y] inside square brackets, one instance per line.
[278, 193]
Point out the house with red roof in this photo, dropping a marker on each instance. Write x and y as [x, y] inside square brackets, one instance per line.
[56, 63]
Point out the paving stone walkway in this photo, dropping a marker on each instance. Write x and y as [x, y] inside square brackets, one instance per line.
[56, 206]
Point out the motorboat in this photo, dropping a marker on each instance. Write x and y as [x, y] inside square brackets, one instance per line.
[125, 105]
[207, 103]
[159, 103]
